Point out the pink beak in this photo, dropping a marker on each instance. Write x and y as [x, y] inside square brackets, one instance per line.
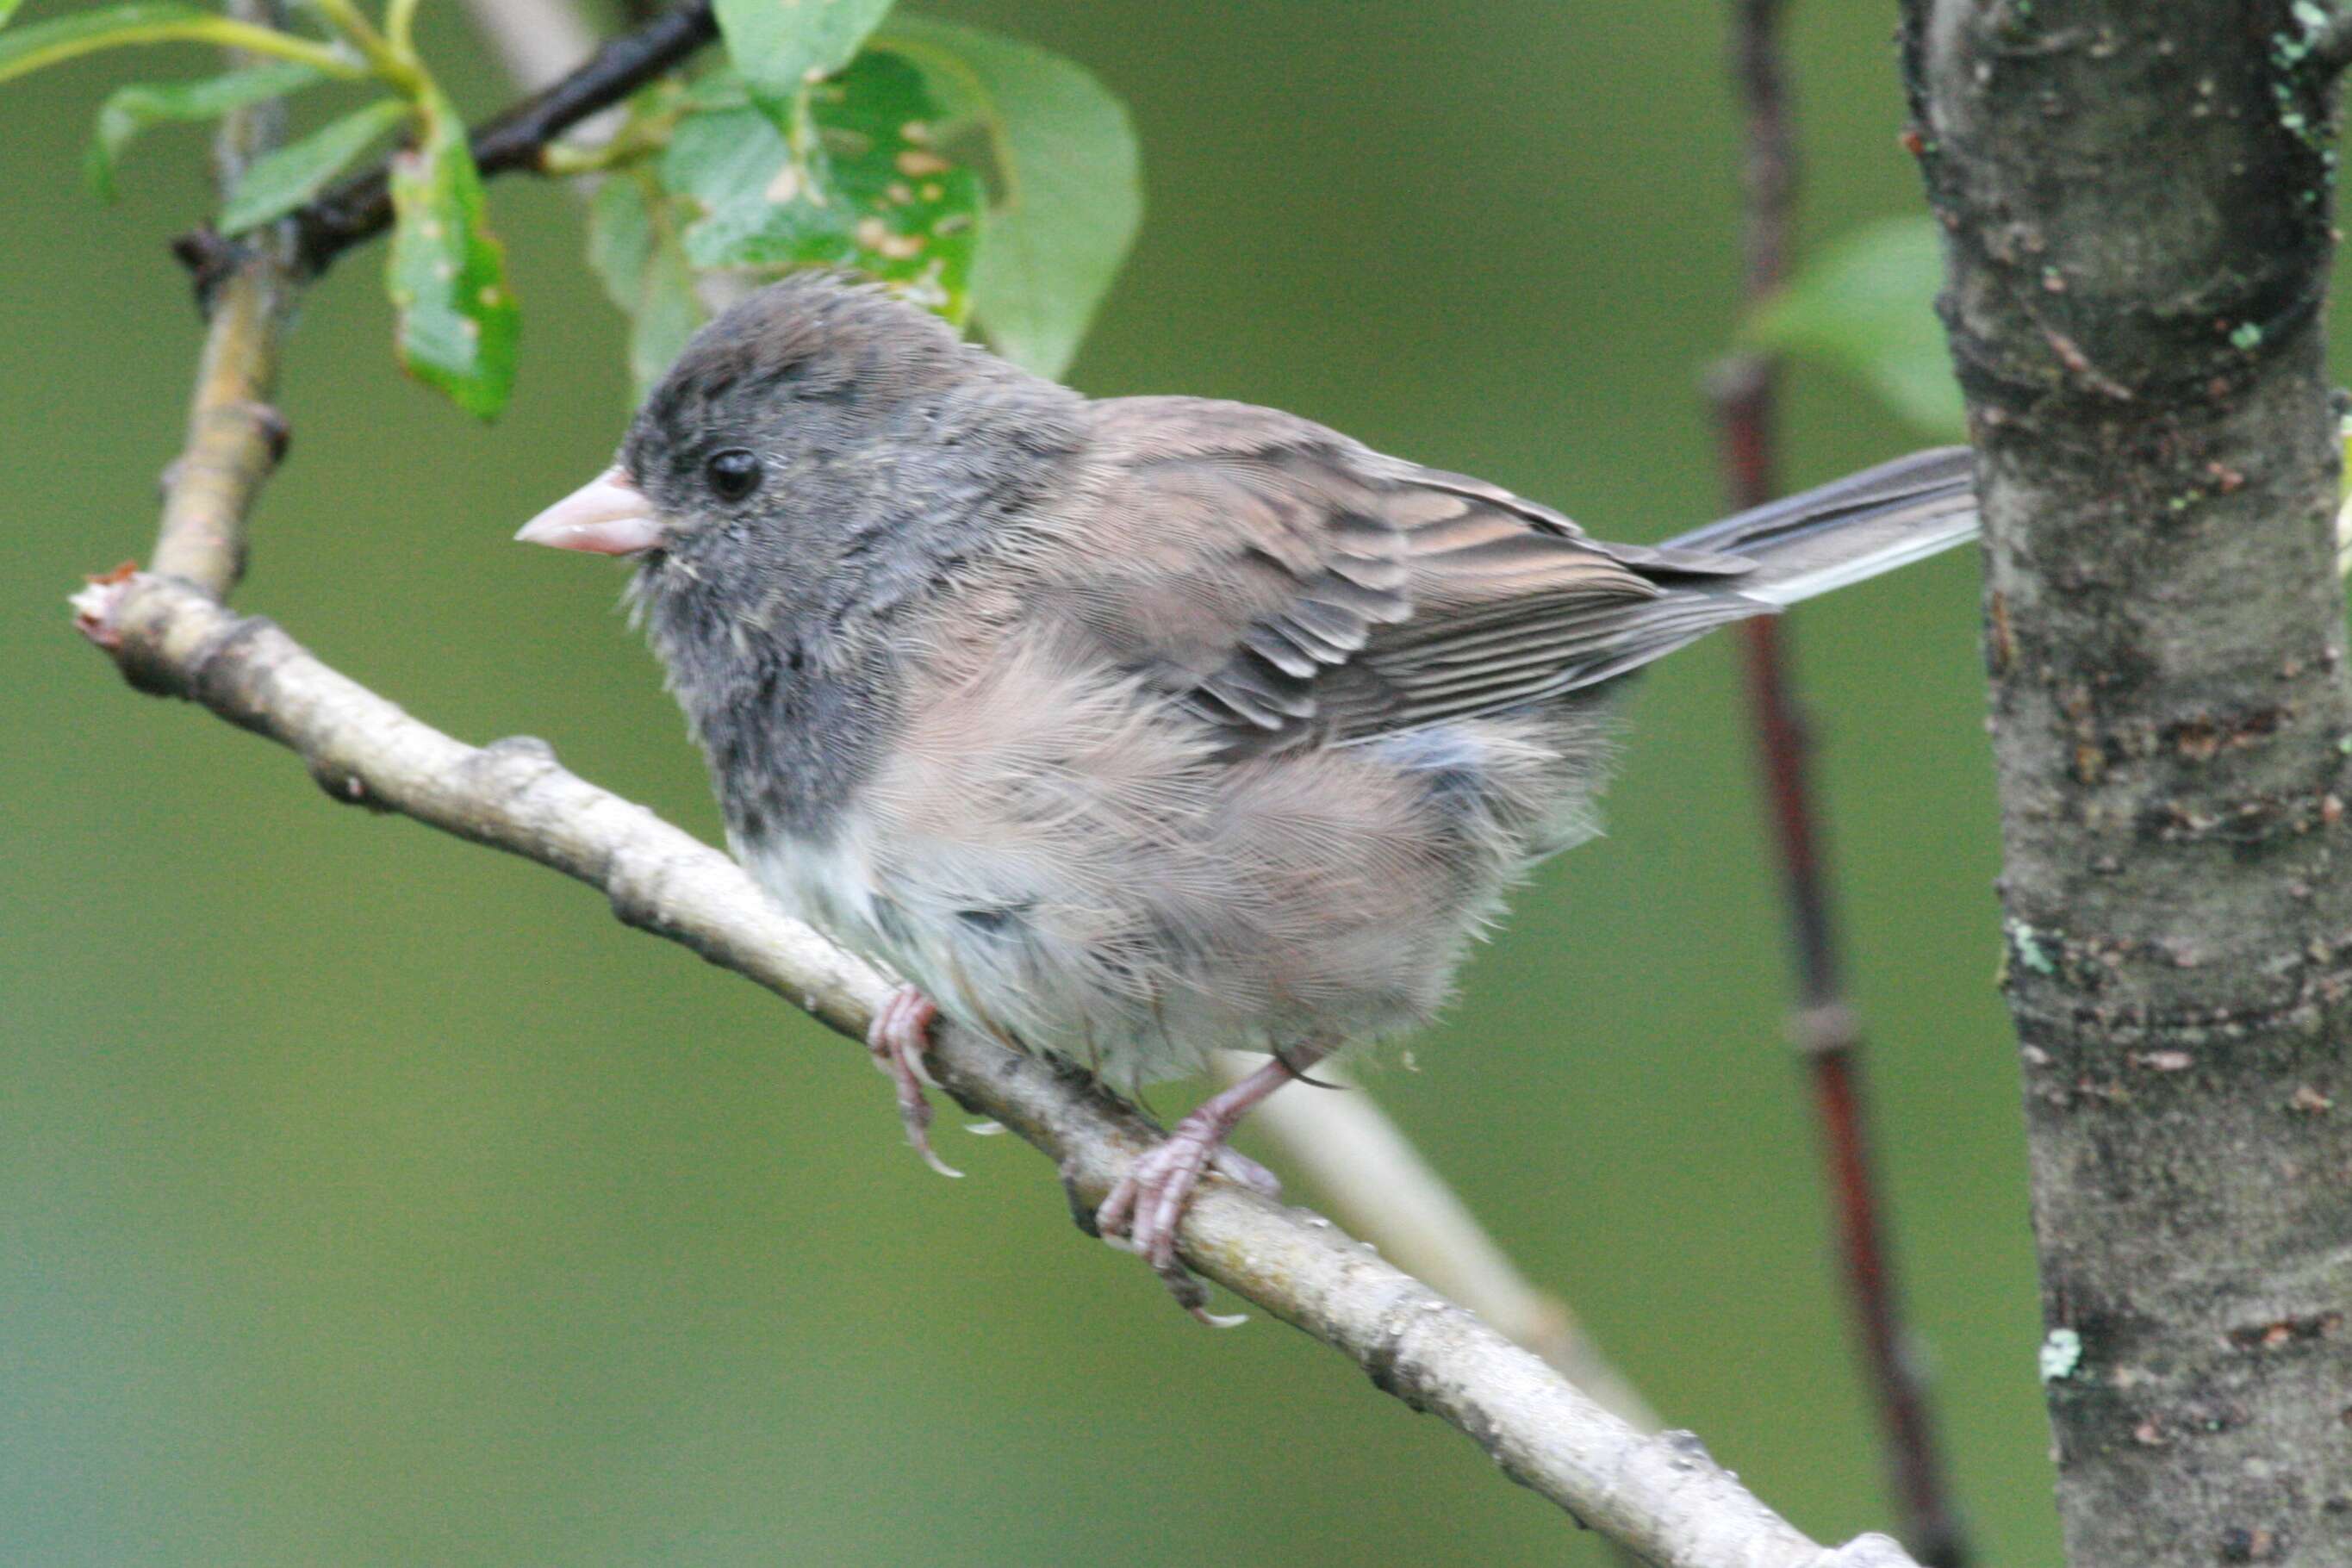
[607, 515]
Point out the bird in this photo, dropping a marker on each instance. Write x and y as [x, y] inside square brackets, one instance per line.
[1122, 730]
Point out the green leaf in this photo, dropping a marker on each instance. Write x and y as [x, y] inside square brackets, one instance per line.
[1866, 305]
[277, 184]
[782, 45]
[131, 110]
[447, 277]
[28, 49]
[9, 11]
[633, 245]
[731, 165]
[1067, 192]
[872, 194]
[914, 213]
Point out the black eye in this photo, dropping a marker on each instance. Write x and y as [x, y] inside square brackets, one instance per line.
[732, 474]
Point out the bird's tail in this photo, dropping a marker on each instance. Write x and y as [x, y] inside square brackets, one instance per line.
[1848, 531]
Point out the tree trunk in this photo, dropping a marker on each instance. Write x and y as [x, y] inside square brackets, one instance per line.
[2137, 197]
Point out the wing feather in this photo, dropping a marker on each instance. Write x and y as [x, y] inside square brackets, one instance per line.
[1288, 584]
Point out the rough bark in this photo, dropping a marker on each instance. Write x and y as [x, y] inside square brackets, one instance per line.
[2137, 196]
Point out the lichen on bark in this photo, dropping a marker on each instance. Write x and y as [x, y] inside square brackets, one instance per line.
[2137, 199]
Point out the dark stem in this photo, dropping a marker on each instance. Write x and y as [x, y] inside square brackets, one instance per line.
[1823, 1027]
[361, 208]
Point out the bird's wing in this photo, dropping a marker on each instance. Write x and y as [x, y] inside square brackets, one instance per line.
[1289, 584]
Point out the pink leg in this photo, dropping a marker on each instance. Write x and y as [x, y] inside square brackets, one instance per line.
[1144, 1211]
[900, 1038]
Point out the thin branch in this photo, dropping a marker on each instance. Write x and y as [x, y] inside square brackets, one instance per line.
[235, 435]
[1824, 1025]
[361, 208]
[1660, 1495]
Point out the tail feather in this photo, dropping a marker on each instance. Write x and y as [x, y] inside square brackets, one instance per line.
[1845, 531]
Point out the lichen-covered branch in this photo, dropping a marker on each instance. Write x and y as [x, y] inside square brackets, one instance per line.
[2138, 196]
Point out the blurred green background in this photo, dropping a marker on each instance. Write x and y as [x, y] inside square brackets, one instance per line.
[370, 1199]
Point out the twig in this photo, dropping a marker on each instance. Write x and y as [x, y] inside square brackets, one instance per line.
[361, 208]
[235, 435]
[1661, 1495]
[1824, 1026]
[1385, 1192]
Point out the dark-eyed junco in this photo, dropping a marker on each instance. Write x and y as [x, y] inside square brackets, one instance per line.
[1127, 728]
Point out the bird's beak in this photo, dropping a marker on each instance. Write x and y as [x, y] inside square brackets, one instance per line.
[607, 515]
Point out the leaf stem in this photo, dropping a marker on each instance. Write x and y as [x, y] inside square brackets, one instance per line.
[400, 27]
[396, 66]
[218, 30]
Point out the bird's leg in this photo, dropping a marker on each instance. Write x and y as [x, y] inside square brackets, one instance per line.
[900, 1038]
[1144, 1210]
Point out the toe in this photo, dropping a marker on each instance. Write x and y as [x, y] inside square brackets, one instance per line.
[1114, 1213]
[899, 1038]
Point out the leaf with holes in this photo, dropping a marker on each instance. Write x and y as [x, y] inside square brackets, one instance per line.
[1067, 190]
[876, 196]
[633, 247]
[1866, 305]
[133, 108]
[448, 276]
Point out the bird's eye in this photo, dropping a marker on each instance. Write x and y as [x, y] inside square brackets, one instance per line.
[732, 474]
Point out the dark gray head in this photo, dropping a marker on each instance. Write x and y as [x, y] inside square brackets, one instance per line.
[819, 464]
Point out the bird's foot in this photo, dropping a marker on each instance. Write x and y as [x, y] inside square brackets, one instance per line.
[901, 1038]
[1145, 1208]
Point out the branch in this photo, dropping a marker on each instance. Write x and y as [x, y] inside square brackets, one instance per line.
[1662, 1496]
[2137, 197]
[1824, 1025]
[361, 208]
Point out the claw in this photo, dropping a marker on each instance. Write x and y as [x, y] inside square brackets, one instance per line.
[900, 1037]
[1146, 1207]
